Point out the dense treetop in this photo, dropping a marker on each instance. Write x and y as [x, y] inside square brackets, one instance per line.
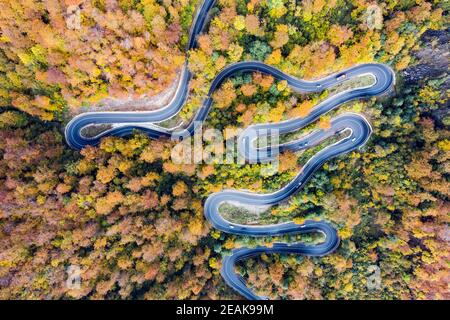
[132, 220]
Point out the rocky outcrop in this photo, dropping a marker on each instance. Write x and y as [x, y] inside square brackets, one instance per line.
[432, 58]
[432, 62]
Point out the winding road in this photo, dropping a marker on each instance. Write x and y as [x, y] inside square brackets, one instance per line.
[356, 127]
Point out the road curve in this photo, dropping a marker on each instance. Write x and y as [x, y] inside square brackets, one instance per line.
[356, 126]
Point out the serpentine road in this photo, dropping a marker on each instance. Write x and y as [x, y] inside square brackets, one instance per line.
[356, 126]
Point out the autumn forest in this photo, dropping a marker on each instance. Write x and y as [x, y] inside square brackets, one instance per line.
[129, 220]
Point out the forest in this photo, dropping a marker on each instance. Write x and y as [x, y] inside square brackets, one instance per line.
[131, 219]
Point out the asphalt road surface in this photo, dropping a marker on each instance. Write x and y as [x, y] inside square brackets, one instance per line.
[356, 127]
